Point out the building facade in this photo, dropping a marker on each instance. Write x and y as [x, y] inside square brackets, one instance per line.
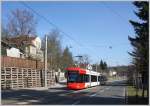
[28, 47]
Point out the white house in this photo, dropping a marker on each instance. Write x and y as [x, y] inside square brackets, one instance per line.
[37, 43]
[112, 73]
[30, 45]
[14, 52]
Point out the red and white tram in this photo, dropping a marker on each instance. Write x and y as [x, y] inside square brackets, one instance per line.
[78, 78]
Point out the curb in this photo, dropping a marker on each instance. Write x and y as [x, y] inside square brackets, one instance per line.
[126, 96]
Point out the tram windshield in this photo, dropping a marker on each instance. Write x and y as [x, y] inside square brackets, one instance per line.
[72, 76]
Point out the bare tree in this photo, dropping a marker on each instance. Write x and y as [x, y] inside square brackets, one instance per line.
[21, 22]
[86, 59]
[4, 33]
[54, 49]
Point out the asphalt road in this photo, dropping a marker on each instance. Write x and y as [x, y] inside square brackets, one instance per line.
[112, 93]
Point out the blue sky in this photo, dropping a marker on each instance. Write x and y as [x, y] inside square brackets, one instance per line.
[95, 25]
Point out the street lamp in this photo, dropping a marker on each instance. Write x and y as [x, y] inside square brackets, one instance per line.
[80, 57]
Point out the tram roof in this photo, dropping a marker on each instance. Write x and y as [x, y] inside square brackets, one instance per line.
[75, 68]
[85, 70]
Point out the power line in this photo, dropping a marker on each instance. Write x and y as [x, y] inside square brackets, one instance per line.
[44, 18]
[52, 24]
[116, 13]
[113, 45]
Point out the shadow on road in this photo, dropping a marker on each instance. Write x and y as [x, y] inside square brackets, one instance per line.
[35, 97]
[60, 88]
[58, 96]
[132, 100]
[116, 83]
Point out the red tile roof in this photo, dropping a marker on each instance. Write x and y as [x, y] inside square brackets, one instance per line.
[21, 40]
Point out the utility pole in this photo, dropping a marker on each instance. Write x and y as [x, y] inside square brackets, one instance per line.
[96, 67]
[45, 60]
[97, 72]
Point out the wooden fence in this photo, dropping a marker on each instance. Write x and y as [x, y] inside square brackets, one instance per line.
[23, 73]
[21, 63]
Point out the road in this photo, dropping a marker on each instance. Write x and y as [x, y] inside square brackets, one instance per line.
[112, 93]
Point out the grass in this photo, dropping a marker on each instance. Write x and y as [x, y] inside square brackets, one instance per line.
[132, 92]
[136, 99]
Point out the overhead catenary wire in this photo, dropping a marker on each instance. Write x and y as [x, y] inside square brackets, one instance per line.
[49, 22]
[64, 33]
[54, 25]
[115, 12]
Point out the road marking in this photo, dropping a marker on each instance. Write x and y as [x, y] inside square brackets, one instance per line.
[93, 95]
[117, 97]
[22, 103]
[124, 92]
[32, 100]
[107, 88]
[102, 91]
[73, 92]
[65, 94]
[126, 95]
[75, 103]
[24, 95]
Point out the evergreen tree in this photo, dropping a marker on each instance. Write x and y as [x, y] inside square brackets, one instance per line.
[101, 64]
[140, 42]
[105, 65]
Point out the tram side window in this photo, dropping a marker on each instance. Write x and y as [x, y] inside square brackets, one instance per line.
[81, 78]
[86, 78]
[99, 78]
[93, 78]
